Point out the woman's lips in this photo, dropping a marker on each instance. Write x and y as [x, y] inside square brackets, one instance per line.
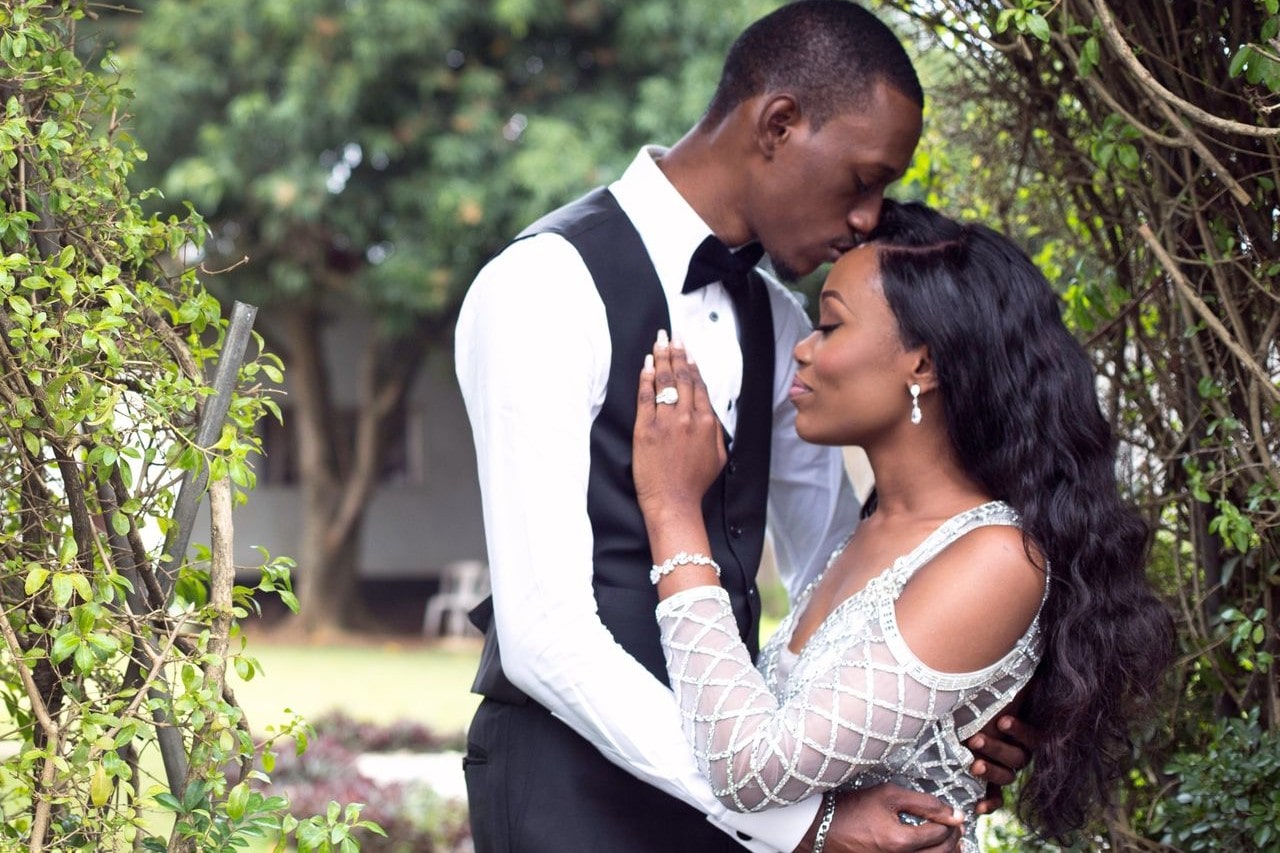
[798, 389]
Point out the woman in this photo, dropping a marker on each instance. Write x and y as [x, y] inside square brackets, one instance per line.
[940, 351]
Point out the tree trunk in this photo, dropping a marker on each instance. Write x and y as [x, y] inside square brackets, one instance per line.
[337, 482]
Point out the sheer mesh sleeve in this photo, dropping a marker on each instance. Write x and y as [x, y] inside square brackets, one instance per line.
[852, 705]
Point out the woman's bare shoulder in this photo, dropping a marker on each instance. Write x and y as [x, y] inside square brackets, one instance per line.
[967, 607]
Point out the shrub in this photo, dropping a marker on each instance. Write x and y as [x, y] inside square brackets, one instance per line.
[415, 818]
[1228, 796]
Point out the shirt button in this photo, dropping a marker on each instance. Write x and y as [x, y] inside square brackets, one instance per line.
[732, 467]
[713, 316]
[736, 531]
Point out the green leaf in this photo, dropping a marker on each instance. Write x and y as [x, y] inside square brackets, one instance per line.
[168, 801]
[82, 586]
[84, 658]
[120, 523]
[35, 579]
[62, 588]
[244, 669]
[103, 645]
[1091, 50]
[64, 646]
[237, 800]
[1038, 26]
[1238, 61]
[68, 550]
[1127, 155]
[100, 787]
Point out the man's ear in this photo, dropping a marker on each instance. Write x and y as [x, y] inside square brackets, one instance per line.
[922, 372]
[776, 121]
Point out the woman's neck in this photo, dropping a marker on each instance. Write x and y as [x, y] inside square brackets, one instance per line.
[920, 477]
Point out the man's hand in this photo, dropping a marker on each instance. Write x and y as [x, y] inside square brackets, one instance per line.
[867, 821]
[1001, 750]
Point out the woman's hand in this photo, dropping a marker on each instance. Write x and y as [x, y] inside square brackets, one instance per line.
[678, 445]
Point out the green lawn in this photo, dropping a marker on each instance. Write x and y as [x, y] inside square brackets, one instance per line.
[372, 681]
[377, 682]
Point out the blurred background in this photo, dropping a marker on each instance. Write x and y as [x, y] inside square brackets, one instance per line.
[357, 161]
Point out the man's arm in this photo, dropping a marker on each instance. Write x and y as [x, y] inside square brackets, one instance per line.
[532, 432]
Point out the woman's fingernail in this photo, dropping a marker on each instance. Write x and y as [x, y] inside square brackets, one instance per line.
[677, 343]
[957, 814]
[662, 338]
[977, 742]
[1005, 724]
[648, 361]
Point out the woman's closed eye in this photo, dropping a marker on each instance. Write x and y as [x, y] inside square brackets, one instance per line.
[826, 328]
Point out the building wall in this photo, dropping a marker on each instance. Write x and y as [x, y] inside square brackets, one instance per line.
[414, 525]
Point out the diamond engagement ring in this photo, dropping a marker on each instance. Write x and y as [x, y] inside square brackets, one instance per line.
[668, 396]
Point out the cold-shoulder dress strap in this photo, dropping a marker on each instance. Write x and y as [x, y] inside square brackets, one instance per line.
[992, 513]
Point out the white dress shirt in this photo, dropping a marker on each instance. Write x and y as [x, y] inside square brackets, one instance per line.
[533, 356]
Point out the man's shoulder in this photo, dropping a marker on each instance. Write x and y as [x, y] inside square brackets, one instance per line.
[582, 214]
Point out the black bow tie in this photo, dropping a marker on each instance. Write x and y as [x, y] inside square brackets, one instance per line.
[713, 261]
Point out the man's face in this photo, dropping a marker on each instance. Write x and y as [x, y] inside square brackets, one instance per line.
[820, 192]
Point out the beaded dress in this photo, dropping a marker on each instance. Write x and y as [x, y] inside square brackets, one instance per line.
[854, 708]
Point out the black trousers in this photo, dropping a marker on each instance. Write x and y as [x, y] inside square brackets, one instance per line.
[535, 786]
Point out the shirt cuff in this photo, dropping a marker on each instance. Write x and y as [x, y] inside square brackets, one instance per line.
[772, 831]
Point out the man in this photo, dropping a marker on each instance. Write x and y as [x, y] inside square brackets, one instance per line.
[578, 745]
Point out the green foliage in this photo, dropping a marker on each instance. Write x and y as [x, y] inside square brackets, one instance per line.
[381, 152]
[105, 342]
[1151, 204]
[1228, 796]
[367, 158]
[1257, 62]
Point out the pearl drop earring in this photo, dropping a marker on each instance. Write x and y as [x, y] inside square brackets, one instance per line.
[915, 403]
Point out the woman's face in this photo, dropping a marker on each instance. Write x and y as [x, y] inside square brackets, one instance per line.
[853, 374]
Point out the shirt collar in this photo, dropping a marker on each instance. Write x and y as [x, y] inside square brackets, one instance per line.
[670, 229]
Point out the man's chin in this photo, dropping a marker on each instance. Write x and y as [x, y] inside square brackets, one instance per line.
[785, 271]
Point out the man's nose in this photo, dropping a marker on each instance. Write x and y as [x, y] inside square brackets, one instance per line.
[865, 213]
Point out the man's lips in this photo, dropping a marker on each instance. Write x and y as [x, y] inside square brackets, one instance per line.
[840, 247]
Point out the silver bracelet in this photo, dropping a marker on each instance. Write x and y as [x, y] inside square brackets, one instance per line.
[683, 558]
[824, 825]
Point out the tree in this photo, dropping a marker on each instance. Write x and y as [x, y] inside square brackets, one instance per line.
[1134, 146]
[370, 157]
[110, 645]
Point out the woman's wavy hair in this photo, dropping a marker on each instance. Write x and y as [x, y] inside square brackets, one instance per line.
[1022, 411]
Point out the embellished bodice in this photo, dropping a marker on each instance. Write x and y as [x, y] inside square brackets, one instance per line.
[855, 708]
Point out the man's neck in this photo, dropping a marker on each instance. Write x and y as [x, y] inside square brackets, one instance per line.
[702, 168]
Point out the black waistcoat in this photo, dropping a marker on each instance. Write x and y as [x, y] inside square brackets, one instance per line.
[734, 507]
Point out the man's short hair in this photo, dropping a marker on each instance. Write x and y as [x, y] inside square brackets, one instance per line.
[829, 54]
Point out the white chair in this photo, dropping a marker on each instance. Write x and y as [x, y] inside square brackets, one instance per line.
[463, 585]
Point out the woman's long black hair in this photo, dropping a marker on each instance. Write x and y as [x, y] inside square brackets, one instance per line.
[1022, 411]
